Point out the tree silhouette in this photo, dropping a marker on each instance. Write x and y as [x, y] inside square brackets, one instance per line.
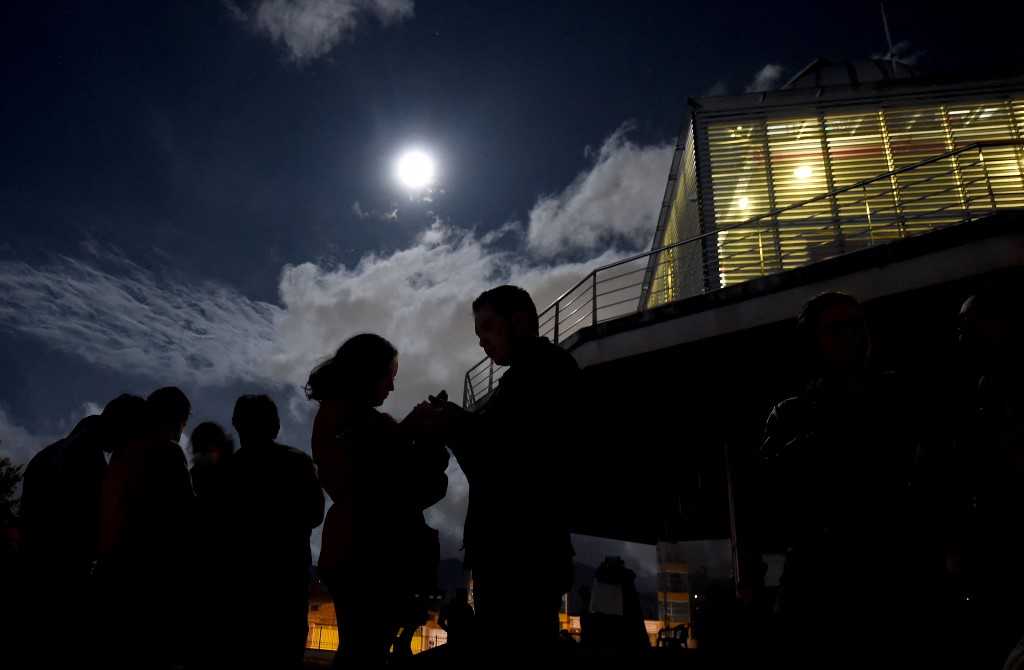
[10, 477]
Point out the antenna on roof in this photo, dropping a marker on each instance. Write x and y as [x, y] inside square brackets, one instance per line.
[885, 24]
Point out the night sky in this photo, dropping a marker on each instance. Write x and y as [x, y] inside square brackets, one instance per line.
[203, 193]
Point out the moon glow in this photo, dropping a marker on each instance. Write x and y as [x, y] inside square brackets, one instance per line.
[415, 169]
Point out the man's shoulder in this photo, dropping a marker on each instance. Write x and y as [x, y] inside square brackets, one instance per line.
[295, 455]
[42, 461]
[269, 454]
[291, 462]
[169, 451]
[548, 353]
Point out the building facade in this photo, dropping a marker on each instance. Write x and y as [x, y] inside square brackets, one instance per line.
[846, 156]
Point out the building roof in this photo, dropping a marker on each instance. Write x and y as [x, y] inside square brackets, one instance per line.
[828, 72]
[827, 82]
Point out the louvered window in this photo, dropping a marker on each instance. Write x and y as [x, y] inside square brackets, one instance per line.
[786, 189]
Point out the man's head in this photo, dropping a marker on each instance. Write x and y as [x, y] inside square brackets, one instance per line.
[833, 334]
[255, 418]
[990, 324]
[124, 420]
[210, 443]
[504, 318]
[167, 412]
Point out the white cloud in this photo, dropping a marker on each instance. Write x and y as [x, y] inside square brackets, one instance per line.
[718, 88]
[357, 209]
[613, 204]
[901, 52]
[766, 79]
[109, 311]
[309, 29]
[388, 215]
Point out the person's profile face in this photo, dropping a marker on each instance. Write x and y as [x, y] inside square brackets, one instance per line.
[979, 330]
[494, 334]
[843, 338]
[386, 384]
[177, 432]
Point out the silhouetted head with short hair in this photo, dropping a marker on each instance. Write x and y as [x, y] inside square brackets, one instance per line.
[255, 418]
[505, 318]
[991, 323]
[124, 420]
[210, 443]
[832, 334]
[509, 302]
[167, 412]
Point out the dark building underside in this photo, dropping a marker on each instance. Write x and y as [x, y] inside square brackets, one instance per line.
[680, 393]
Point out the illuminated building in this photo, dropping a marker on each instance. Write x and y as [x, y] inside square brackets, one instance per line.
[845, 156]
[903, 189]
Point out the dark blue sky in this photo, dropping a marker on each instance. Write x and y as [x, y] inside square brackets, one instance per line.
[201, 193]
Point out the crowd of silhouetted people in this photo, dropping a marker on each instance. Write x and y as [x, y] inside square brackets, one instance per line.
[895, 500]
[129, 558]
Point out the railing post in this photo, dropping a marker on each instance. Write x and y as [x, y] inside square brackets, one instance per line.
[558, 311]
[867, 213]
[988, 180]
[593, 297]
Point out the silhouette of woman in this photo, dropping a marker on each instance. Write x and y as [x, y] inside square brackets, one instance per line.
[378, 555]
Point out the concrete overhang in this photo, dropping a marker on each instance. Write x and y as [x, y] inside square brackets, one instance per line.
[960, 252]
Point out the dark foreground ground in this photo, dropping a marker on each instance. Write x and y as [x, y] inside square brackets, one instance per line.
[441, 658]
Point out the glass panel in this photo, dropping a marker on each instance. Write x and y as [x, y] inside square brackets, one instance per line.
[991, 177]
[806, 233]
[856, 153]
[679, 271]
[929, 196]
[739, 175]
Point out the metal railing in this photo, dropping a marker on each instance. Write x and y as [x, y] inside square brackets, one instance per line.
[909, 201]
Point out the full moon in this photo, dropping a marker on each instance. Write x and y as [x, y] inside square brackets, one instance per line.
[415, 169]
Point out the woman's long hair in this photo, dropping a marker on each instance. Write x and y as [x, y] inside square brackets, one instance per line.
[354, 370]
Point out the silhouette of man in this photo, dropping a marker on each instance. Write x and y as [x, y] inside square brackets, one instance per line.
[513, 451]
[616, 619]
[147, 517]
[211, 447]
[274, 502]
[982, 480]
[60, 519]
[836, 464]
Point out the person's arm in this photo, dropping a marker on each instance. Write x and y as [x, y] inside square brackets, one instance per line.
[444, 422]
[439, 418]
[331, 462]
[315, 502]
